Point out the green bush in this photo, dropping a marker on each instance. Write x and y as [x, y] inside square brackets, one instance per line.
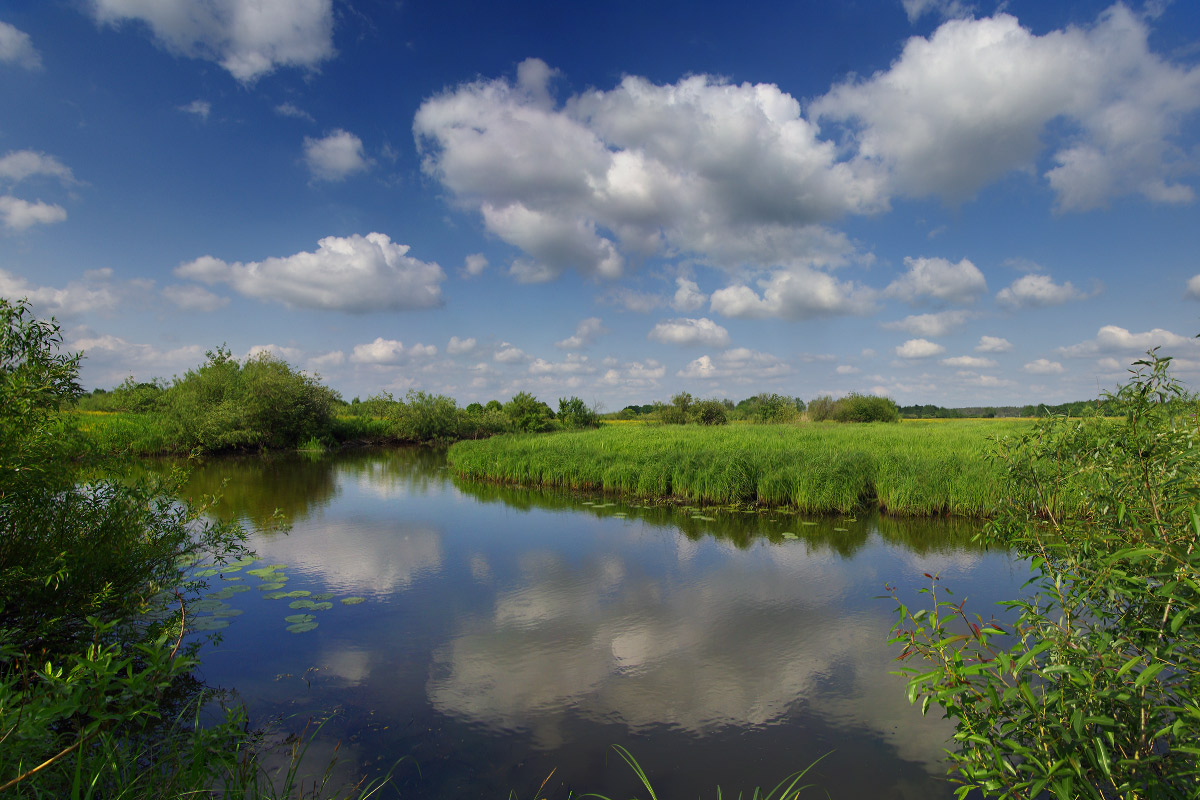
[426, 417]
[527, 414]
[573, 414]
[776, 408]
[820, 408]
[141, 398]
[856, 407]
[709, 412]
[1093, 690]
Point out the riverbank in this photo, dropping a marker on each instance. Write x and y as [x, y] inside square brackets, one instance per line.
[918, 468]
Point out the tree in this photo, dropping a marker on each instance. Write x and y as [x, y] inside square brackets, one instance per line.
[1093, 690]
[574, 414]
[527, 414]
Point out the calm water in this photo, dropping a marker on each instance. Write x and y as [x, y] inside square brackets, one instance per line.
[506, 634]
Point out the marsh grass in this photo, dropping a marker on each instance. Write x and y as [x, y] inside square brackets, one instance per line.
[911, 468]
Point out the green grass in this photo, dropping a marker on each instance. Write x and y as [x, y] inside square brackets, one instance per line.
[912, 468]
[129, 432]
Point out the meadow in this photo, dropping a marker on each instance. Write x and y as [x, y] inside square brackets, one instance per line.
[916, 467]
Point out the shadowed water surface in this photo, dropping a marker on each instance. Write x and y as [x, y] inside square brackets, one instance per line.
[506, 633]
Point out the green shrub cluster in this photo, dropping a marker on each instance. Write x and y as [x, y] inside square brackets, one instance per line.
[854, 407]
[130, 396]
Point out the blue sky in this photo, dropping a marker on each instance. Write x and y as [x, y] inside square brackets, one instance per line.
[950, 202]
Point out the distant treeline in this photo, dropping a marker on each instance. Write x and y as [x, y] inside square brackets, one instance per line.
[1074, 409]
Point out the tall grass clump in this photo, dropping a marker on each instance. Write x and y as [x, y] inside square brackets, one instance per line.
[911, 468]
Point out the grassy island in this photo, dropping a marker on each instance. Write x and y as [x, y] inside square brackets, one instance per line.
[911, 468]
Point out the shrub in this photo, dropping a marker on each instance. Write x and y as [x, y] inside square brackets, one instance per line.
[709, 412]
[856, 407]
[527, 414]
[426, 417]
[573, 414]
[775, 408]
[820, 408]
[1092, 691]
[144, 397]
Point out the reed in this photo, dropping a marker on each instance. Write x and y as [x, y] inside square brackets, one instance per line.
[912, 468]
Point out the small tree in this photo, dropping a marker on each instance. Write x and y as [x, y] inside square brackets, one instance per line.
[527, 414]
[709, 412]
[1092, 691]
[574, 414]
[820, 408]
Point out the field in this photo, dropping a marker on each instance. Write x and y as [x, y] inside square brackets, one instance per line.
[916, 467]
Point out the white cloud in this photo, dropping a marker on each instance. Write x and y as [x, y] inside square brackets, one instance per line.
[458, 347]
[249, 38]
[969, 362]
[729, 173]
[635, 375]
[280, 352]
[993, 344]
[741, 365]
[389, 352]
[18, 214]
[109, 359]
[939, 280]
[507, 354]
[201, 108]
[353, 273]
[1193, 287]
[17, 165]
[1043, 366]
[794, 293]
[687, 332]
[93, 293]
[946, 9]
[585, 333]
[325, 360]
[475, 264]
[194, 298]
[17, 48]
[937, 324]
[1117, 340]
[293, 111]
[919, 348]
[572, 365]
[974, 101]
[1035, 291]
[846, 369]
[688, 296]
[630, 300]
[334, 157]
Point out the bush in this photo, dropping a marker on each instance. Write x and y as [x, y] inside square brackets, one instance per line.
[263, 403]
[856, 407]
[1092, 691]
[425, 417]
[709, 412]
[141, 398]
[820, 408]
[573, 414]
[527, 414]
[775, 408]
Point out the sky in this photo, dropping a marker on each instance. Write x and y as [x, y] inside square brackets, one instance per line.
[941, 201]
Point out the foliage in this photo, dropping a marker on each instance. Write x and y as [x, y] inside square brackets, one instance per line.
[775, 408]
[527, 414]
[262, 403]
[856, 407]
[1093, 690]
[425, 417]
[130, 396]
[709, 412]
[820, 408]
[573, 414]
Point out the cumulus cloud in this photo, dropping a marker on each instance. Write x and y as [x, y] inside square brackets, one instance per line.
[688, 296]
[507, 354]
[729, 173]
[388, 352]
[969, 362]
[993, 344]
[1193, 287]
[938, 280]
[194, 298]
[94, 293]
[19, 215]
[17, 48]
[293, 111]
[17, 165]
[741, 365]
[573, 364]
[325, 360]
[946, 9]
[1112, 339]
[353, 273]
[110, 359]
[919, 348]
[635, 374]
[334, 157]
[630, 300]
[795, 293]
[458, 347]
[974, 101]
[687, 331]
[1044, 366]
[938, 324]
[585, 332]
[475, 264]
[200, 108]
[1035, 291]
[248, 38]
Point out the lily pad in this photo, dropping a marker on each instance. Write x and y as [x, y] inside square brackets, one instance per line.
[299, 593]
[228, 612]
[261, 572]
[302, 604]
[274, 595]
[806, 522]
[301, 627]
[323, 596]
[270, 587]
[228, 592]
[187, 560]
[206, 573]
[843, 530]
[208, 605]
[789, 535]
[208, 623]
[353, 601]
[322, 606]
[293, 619]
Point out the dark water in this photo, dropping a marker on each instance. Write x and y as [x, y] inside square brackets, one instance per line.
[508, 634]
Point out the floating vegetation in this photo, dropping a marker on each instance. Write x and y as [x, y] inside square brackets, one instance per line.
[276, 595]
[296, 618]
[270, 587]
[789, 535]
[301, 627]
[323, 596]
[263, 572]
[353, 601]
[207, 605]
[304, 604]
[208, 623]
[187, 560]
[807, 522]
[228, 592]
[206, 573]
[228, 612]
[842, 530]
[703, 518]
[322, 606]
[299, 593]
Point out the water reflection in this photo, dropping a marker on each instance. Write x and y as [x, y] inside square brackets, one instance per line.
[511, 630]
